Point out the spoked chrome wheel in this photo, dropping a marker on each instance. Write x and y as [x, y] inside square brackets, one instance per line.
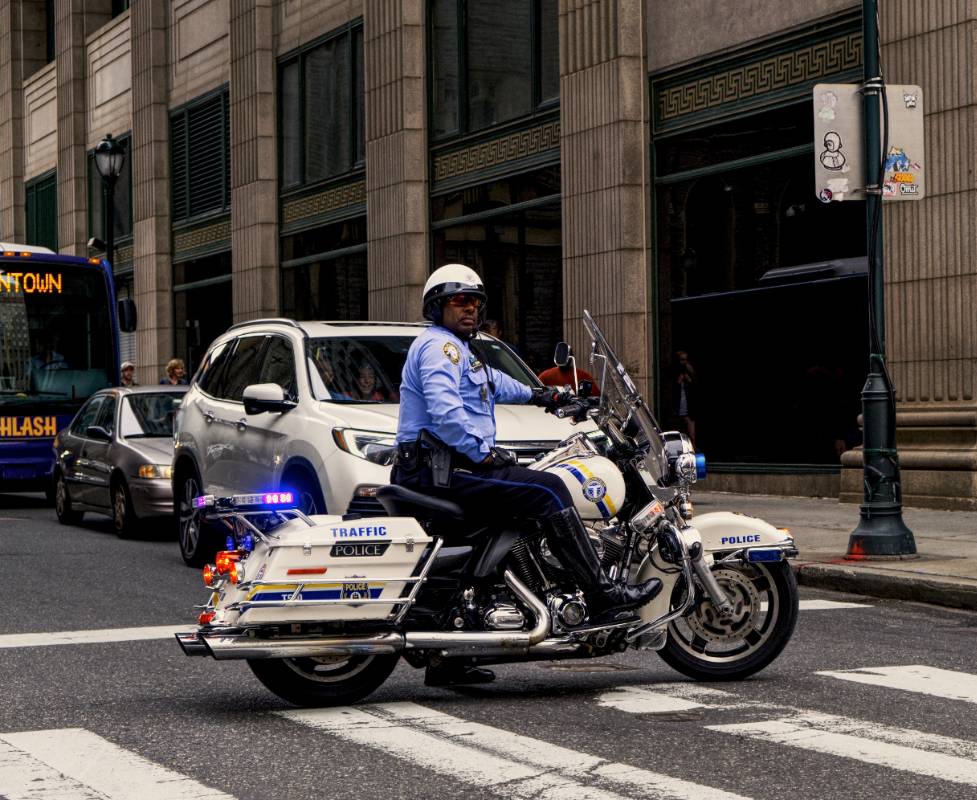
[329, 681]
[708, 645]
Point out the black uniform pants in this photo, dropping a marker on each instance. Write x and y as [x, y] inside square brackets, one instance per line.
[492, 493]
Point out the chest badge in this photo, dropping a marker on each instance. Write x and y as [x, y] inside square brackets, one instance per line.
[451, 352]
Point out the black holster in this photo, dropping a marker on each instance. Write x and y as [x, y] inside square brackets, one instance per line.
[427, 450]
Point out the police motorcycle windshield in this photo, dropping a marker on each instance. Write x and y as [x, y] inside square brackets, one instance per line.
[621, 406]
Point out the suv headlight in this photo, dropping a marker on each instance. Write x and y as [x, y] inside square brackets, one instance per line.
[155, 471]
[374, 446]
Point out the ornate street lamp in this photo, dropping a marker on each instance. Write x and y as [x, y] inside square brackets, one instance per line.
[110, 157]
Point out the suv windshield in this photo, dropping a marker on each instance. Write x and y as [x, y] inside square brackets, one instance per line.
[367, 369]
[149, 415]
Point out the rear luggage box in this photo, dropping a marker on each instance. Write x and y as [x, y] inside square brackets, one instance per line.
[363, 569]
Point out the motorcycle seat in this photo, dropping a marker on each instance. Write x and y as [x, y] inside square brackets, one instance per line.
[401, 502]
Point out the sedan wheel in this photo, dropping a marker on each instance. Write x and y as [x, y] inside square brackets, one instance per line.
[123, 517]
[62, 503]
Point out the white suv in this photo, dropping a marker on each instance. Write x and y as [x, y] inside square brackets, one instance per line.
[312, 407]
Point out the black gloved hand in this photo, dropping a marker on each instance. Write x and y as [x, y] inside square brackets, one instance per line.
[550, 397]
[503, 458]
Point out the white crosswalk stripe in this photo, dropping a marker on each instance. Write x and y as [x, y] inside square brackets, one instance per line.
[829, 605]
[91, 637]
[75, 764]
[921, 753]
[916, 678]
[509, 764]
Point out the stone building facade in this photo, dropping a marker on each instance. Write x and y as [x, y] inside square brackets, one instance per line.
[651, 162]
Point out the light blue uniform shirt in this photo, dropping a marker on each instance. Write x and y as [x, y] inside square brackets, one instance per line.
[447, 390]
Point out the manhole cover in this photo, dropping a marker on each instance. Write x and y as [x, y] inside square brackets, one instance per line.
[579, 666]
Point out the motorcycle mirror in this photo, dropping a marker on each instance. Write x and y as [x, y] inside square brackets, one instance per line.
[561, 357]
[586, 388]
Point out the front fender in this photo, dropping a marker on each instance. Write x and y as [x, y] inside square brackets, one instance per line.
[724, 530]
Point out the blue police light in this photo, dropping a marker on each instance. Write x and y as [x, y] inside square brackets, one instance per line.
[756, 555]
[264, 500]
[700, 466]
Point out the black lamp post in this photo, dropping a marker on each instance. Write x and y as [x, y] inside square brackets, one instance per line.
[881, 530]
[110, 157]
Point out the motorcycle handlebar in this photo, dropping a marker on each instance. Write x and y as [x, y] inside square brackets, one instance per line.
[573, 409]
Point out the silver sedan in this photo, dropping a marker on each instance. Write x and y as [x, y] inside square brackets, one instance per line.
[115, 457]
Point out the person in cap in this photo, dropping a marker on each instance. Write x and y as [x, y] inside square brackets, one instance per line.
[128, 374]
[447, 403]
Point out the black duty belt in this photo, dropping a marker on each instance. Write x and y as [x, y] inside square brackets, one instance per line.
[427, 451]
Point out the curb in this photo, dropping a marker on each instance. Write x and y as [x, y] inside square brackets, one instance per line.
[917, 588]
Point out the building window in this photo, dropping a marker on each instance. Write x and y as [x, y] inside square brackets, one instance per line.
[201, 305]
[509, 232]
[122, 197]
[41, 205]
[745, 248]
[119, 6]
[321, 109]
[201, 157]
[324, 274]
[491, 62]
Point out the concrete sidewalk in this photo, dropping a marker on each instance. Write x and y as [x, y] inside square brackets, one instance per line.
[944, 573]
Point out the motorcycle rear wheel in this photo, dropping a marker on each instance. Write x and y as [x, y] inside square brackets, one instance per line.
[321, 682]
[708, 647]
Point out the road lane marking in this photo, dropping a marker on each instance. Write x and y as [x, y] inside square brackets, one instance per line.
[509, 764]
[909, 750]
[917, 752]
[829, 605]
[916, 678]
[76, 764]
[91, 637]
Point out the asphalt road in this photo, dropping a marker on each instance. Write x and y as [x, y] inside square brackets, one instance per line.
[878, 699]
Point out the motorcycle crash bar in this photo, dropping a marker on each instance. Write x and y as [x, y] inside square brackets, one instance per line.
[235, 646]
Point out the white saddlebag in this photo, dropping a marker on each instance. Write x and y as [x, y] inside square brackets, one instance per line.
[336, 570]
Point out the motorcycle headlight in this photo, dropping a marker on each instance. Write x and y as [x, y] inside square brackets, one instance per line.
[155, 471]
[374, 446]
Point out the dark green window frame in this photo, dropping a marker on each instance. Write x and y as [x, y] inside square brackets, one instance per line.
[200, 157]
[355, 121]
[122, 198]
[120, 6]
[539, 103]
[41, 210]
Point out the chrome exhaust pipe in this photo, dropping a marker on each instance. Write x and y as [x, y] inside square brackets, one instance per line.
[224, 647]
[478, 644]
[236, 645]
[192, 644]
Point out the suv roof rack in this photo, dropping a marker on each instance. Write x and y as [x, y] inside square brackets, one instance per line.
[266, 321]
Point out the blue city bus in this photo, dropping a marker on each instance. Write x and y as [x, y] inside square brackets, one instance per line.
[59, 343]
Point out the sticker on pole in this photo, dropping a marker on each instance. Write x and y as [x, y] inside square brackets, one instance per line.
[839, 149]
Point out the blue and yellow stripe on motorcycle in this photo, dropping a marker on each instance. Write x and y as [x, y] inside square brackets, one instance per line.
[582, 473]
[319, 591]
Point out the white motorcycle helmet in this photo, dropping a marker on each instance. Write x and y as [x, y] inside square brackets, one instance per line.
[449, 280]
[595, 483]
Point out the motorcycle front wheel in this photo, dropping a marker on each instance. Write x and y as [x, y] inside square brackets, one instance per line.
[320, 682]
[707, 646]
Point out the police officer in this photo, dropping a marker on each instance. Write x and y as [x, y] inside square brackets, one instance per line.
[446, 447]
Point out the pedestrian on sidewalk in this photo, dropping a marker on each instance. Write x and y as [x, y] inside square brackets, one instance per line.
[128, 374]
[176, 373]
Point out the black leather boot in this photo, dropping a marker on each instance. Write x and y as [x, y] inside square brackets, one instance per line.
[570, 543]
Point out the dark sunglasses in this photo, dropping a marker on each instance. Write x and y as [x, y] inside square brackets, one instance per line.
[462, 300]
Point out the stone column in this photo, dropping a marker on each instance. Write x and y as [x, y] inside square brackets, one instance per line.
[605, 174]
[931, 263]
[153, 276]
[69, 44]
[396, 157]
[12, 222]
[254, 161]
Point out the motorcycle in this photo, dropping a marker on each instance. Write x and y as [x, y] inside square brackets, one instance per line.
[323, 607]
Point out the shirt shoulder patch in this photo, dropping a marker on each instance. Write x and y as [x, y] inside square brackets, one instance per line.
[451, 352]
